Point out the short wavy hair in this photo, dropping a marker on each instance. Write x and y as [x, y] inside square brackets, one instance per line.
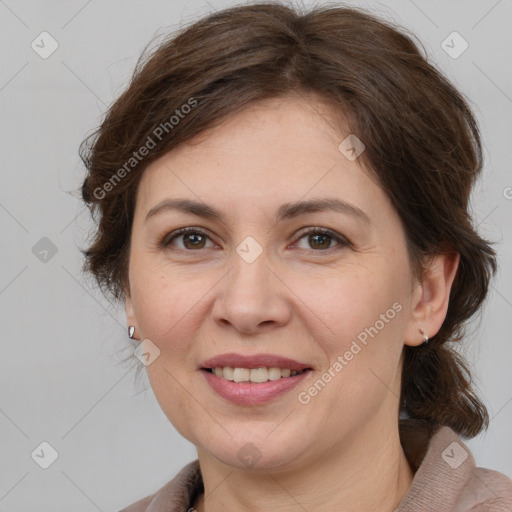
[422, 146]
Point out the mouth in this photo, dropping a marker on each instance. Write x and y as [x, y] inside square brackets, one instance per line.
[258, 375]
[253, 386]
[254, 368]
[253, 379]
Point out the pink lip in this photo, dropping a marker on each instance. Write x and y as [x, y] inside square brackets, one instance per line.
[250, 393]
[255, 361]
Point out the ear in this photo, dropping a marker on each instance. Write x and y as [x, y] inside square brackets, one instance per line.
[128, 308]
[431, 297]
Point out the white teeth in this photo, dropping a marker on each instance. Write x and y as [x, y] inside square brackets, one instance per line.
[253, 374]
[227, 373]
[274, 373]
[241, 374]
[258, 375]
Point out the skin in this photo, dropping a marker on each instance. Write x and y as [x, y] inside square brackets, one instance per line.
[304, 297]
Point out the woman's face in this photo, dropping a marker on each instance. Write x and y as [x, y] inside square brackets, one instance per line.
[255, 282]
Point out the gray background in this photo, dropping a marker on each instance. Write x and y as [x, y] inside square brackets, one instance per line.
[61, 380]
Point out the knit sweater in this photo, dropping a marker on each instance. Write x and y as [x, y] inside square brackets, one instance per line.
[446, 479]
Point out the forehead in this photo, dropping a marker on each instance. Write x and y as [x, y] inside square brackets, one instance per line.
[274, 152]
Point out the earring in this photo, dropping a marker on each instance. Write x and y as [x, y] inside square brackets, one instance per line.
[131, 331]
[425, 337]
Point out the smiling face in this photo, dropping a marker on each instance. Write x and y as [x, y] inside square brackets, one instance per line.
[254, 281]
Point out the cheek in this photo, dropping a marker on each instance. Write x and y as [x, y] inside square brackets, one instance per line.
[353, 301]
[362, 332]
[163, 301]
[364, 317]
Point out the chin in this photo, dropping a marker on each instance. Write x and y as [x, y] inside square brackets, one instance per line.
[256, 452]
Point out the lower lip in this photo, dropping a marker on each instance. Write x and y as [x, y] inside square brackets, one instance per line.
[251, 393]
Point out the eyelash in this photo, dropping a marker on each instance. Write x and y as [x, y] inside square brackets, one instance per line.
[342, 241]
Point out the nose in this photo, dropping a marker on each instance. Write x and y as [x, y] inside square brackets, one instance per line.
[252, 297]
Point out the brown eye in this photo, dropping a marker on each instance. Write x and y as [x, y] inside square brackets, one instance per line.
[193, 239]
[321, 239]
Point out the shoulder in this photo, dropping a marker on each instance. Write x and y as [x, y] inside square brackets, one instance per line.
[447, 475]
[175, 496]
[485, 491]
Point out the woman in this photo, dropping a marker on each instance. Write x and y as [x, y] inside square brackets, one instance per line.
[283, 210]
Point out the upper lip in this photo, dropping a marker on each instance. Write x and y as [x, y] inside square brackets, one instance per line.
[253, 361]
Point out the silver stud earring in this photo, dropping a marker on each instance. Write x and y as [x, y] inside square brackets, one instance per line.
[425, 337]
[131, 331]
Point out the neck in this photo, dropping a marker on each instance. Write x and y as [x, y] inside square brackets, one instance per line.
[365, 473]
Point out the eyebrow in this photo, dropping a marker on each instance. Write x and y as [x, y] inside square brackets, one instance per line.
[285, 211]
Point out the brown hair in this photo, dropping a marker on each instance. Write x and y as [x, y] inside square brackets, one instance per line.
[422, 145]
